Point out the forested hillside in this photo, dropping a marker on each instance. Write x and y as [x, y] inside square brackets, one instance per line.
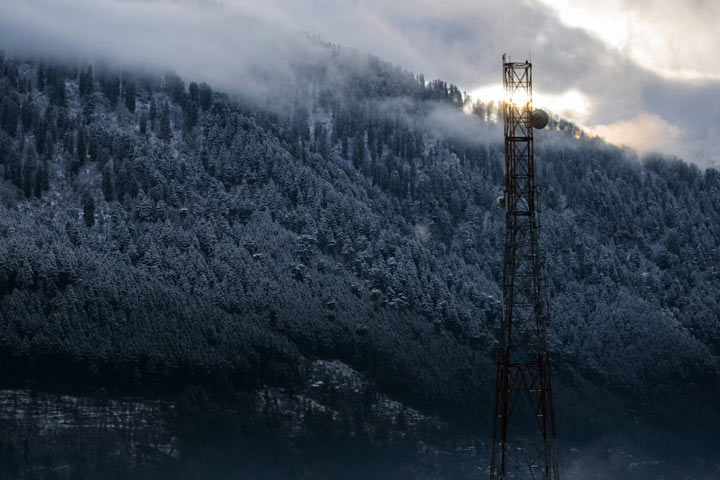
[159, 236]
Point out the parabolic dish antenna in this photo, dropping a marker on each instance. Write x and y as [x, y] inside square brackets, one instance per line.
[539, 119]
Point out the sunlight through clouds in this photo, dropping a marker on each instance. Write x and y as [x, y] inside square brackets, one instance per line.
[669, 38]
[595, 64]
[571, 104]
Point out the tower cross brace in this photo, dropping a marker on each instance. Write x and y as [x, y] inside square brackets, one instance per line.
[523, 438]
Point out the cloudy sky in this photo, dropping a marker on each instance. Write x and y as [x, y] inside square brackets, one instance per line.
[642, 73]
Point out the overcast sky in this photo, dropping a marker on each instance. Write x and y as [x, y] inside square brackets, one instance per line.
[643, 73]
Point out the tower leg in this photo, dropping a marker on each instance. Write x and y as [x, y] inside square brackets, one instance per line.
[523, 445]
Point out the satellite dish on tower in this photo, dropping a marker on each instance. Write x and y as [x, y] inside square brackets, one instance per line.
[539, 119]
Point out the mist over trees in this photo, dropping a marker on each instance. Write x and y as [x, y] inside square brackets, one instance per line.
[158, 234]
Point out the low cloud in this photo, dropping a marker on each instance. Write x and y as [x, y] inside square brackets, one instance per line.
[227, 46]
[238, 45]
[645, 133]
[449, 122]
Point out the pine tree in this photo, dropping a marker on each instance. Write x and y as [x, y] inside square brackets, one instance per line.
[45, 170]
[143, 123]
[194, 92]
[13, 169]
[40, 77]
[89, 110]
[25, 275]
[130, 93]
[107, 182]
[205, 95]
[153, 113]
[358, 151]
[55, 83]
[111, 89]
[27, 113]
[81, 147]
[49, 149]
[9, 114]
[89, 210]
[38, 187]
[191, 115]
[86, 81]
[175, 86]
[165, 129]
[28, 173]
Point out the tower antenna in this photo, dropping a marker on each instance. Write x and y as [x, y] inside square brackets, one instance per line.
[523, 437]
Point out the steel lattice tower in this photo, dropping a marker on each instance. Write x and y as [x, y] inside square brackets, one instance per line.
[523, 437]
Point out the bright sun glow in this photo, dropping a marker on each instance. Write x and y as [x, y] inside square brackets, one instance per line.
[572, 104]
[518, 98]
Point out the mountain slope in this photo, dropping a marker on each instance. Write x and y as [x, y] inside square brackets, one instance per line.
[158, 238]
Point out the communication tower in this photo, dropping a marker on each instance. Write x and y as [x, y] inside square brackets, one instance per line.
[524, 422]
